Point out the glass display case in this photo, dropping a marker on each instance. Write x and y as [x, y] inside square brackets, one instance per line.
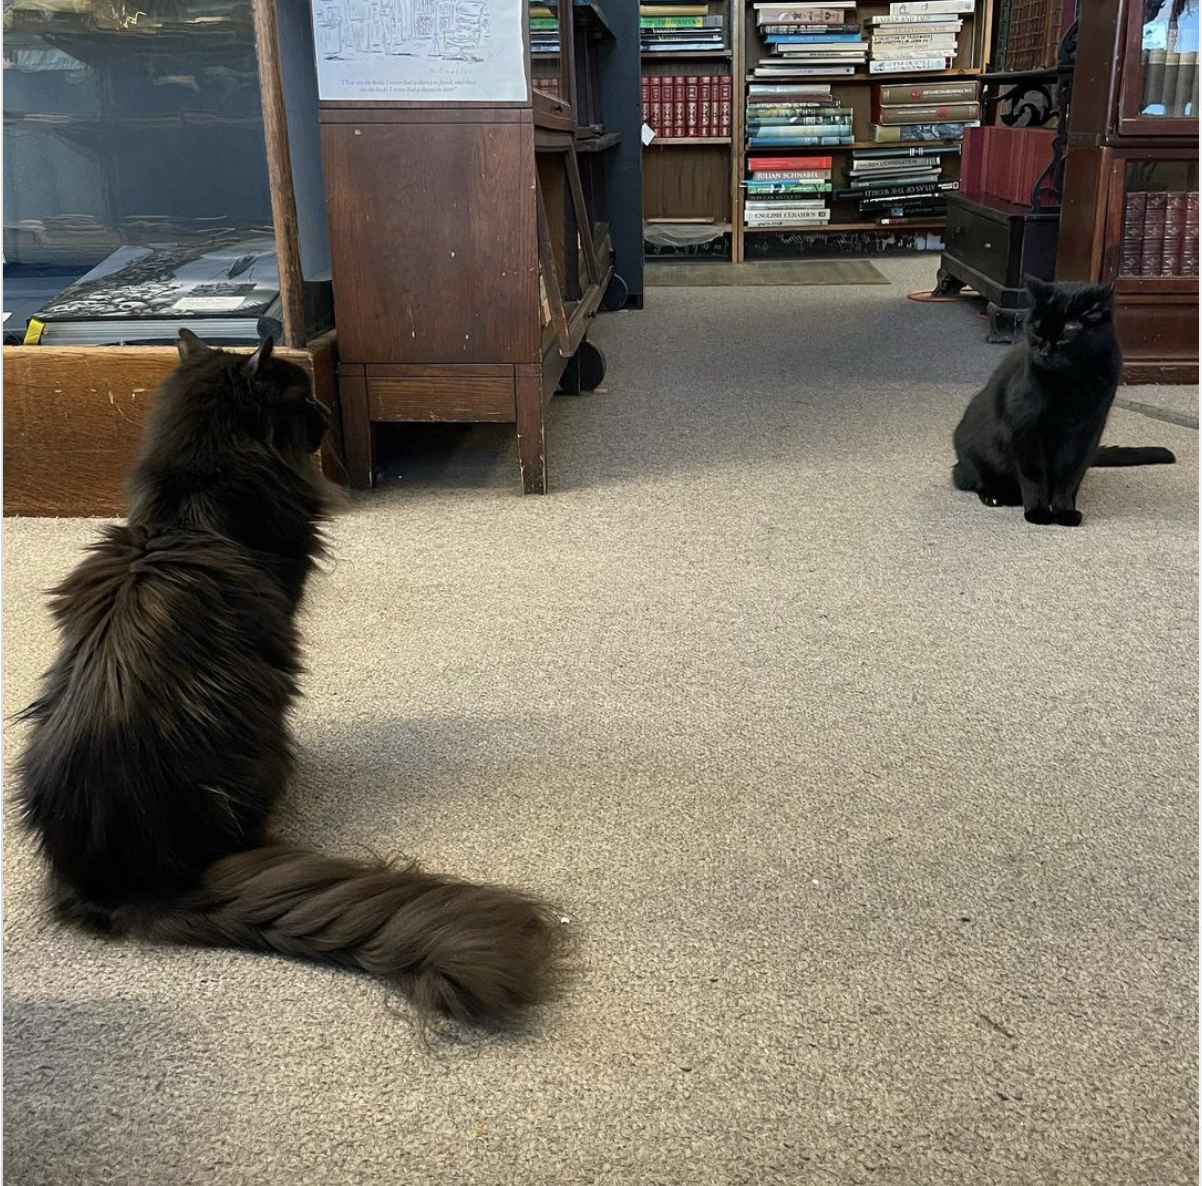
[1159, 85]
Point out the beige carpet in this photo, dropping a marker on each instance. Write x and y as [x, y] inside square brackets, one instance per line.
[873, 810]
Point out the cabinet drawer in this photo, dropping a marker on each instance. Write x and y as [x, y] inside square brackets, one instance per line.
[467, 393]
[980, 241]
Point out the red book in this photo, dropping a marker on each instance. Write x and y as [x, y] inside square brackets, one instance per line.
[656, 90]
[680, 105]
[692, 93]
[757, 163]
[645, 96]
[1189, 239]
[1154, 220]
[705, 117]
[727, 97]
[1133, 234]
[1174, 232]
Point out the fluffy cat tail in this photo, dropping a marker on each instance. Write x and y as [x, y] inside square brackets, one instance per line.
[1116, 455]
[476, 953]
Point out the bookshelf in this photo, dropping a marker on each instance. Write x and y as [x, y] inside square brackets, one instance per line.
[691, 166]
[851, 93]
[121, 133]
[1131, 180]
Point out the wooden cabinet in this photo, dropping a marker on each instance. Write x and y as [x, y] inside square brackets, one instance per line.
[470, 249]
[1131, 180]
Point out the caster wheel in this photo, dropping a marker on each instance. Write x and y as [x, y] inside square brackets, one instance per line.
[584, 372]
[1005, 325]
[615, 294]
[591, 362]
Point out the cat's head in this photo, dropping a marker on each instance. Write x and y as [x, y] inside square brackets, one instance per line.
[239, 399]
[1068, 323]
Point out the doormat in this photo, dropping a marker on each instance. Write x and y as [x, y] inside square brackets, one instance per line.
[761, 272]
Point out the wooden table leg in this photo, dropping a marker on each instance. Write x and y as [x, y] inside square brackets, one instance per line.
[532, 455]
[358, 432]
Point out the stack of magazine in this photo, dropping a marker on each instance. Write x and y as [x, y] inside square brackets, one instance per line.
[227, 291]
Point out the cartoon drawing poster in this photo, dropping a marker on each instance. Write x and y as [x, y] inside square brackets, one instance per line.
[420, 50]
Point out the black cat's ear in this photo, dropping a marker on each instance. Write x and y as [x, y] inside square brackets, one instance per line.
[1104, 297]
[252, 365]
[1039, 289]
[190, 346]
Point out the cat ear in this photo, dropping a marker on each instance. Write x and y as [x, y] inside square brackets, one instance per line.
[261, 355]
[1103, 295]
[1039, 289]
[190, 346]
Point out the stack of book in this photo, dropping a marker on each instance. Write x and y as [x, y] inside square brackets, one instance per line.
[1160, 234]
[672, 26]
[916, 35]
[810, 38]
[796, 115]
[896, 186]
[544, 30]
[787, 191]
[924, 110]
[679, 106]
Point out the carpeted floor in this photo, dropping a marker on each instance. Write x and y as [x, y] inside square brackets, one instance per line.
[873, 811]
[714, 274]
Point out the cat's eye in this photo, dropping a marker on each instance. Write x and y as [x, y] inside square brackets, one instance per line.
[1072, 327]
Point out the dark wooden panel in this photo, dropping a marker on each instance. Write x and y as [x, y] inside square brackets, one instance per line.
[383, 114]
[687, 182]
[532, 442]
[432, 236]
[442, 393]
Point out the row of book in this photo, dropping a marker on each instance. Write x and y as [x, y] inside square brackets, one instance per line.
[1030, 31]
[1160, 234]
[796, 115]
[1005, 163]
[675, 26]
[544, 29]
[899, 186]
[683, 106]
[924, 110]
[817, 38]
[787, 191]
[916, 37]
[1170, 83]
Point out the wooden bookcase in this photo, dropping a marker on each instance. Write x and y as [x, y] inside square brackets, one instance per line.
[1120, 147]
[854, 91]
[695, 179]
[468, 252]
[73, 415]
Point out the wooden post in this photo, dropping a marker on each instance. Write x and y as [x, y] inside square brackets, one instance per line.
[279, 173]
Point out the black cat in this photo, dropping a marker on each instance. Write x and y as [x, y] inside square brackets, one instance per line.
[160, 742]
[1030, 434]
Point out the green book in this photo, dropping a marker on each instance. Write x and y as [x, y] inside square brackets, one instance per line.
[672, 22]
[543, 23]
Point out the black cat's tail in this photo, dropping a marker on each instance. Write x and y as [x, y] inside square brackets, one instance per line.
[476, 953]
[1116, 455]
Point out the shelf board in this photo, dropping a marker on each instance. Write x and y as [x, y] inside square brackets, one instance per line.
[822, 228]
[600, 143]
[685, 53]
[695, 141]
[724, 227]
[839, 79]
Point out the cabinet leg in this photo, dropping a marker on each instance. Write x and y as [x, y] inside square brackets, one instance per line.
[532, 455]
[1004, 324]
[358, 432]
[947, 285]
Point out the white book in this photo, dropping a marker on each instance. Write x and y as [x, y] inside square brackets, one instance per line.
[785, 218]
[924, 7]
[777, 6]
[907, 65]
[894, 26]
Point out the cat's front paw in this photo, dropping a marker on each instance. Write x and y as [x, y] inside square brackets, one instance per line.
[1068, 518]
[1038, 515]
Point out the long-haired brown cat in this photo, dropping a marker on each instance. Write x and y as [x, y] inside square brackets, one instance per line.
[160, 743]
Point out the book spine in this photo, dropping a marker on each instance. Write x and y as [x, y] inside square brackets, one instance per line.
[656, 89]
[931, 92]
[692, 88]
[680, 106]
[1187, 73]
[1153, 72]
[1133, 234]
[706, 116]
[905, 65]
[1154, 219]
[645, 98]
[1189, 237]
[727, 104]
[1174, 230]
[1168, 88]
[951, 113]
